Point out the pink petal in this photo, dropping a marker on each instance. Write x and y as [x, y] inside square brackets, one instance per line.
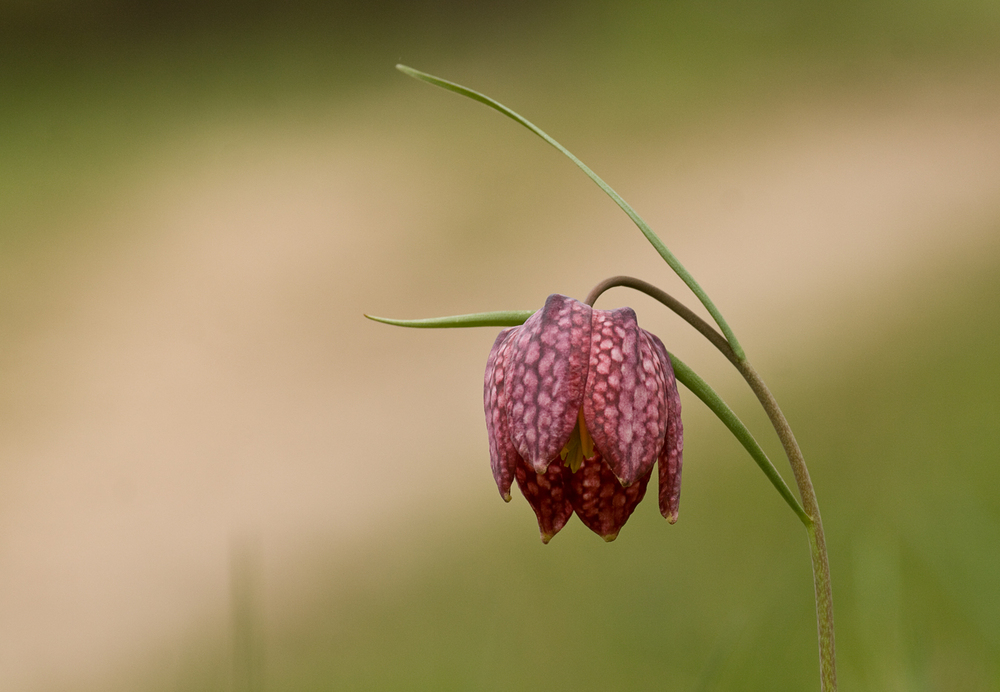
[624, 402]
[503, 455]
[600, 501]
[547, 494]
[547, 367]
[671, 457]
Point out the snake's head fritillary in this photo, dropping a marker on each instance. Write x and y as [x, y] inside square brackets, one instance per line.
[580, 404]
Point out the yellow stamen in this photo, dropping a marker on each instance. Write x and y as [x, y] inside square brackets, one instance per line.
[580, 445]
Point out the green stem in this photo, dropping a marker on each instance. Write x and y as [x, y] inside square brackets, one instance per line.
[817, 539]
[811, 517]
[653, 239]
[729, 346]
[824, 607]
[661, 296]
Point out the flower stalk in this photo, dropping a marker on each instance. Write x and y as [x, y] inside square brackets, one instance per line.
[544, 471]
[808, 511]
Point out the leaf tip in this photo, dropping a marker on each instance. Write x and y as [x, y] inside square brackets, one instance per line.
[407, 70]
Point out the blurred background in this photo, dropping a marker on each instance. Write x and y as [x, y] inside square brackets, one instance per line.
[216, 475]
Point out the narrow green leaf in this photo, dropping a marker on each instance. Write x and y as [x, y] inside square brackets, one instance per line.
[653, 239]
[690, 379]
[507, 318]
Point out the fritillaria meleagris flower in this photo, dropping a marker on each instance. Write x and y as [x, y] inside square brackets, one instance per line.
[580, 404]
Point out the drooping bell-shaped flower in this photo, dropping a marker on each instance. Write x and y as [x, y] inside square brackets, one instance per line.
[580, 404]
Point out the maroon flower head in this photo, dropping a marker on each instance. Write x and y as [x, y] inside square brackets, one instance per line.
[580, 403]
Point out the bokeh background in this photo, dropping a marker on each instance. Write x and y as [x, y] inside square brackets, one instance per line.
[216, 475]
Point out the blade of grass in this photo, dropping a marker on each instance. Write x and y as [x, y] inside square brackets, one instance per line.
[505, 318]
[653, 239]
[701, 389]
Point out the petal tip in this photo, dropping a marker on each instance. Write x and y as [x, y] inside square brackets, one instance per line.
[546, 537]
[610, 537]
[671, 516]
[541, 467]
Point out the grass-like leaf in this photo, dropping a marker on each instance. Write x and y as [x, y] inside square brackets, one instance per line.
[653, 239]
[506, 318]
[690, 379]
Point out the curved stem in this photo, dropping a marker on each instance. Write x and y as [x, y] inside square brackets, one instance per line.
[688, 315]
[824, 607]
[817, 539]
[812, 520]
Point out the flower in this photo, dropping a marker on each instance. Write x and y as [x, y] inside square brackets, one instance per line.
[580, 403]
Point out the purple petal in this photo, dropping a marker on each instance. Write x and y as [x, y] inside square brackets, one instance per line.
[600, 501]
[624, 402]
[503, 455]
[547, 494]
[547, 367]
[671, 457]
